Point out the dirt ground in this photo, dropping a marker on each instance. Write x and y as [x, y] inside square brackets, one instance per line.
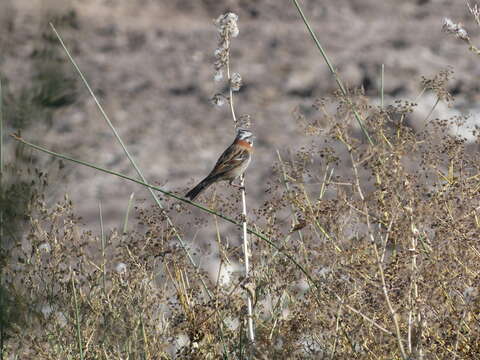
[151, 64]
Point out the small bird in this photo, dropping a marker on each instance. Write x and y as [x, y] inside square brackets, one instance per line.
[231, 164]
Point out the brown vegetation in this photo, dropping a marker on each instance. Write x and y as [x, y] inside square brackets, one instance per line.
[366, 251]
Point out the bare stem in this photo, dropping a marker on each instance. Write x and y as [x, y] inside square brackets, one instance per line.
[104, 259]
[414, 317]
[246, 251]
[385, 292]
[1, 208]
[77, 317]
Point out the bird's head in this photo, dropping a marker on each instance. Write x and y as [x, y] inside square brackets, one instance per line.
[245, 135]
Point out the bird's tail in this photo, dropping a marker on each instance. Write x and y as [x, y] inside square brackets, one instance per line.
[203, 185]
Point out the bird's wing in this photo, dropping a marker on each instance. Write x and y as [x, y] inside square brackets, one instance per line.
[231, 158]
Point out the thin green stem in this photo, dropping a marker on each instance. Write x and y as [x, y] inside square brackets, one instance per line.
[132, 161]
[333, 71]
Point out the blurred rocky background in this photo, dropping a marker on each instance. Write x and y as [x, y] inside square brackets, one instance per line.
[151, 65]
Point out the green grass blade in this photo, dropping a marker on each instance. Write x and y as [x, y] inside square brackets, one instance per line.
[130, 158]
[332, 70]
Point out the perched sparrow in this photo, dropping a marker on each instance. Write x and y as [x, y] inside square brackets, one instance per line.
[231, 164]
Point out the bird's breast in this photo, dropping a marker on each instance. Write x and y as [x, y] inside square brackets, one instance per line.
[245, 144]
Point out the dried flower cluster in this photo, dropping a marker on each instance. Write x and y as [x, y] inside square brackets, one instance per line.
[475, 11]
[235, 82]
[456, 29]
[459, 31]
[228, 28]
[218, 99]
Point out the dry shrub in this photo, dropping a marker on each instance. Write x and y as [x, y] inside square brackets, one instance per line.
[376, 257]
[388, 234]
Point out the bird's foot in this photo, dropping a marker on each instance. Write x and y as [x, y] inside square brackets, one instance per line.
[238, 186]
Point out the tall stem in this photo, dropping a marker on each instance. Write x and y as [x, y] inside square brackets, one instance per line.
[1, 212]
[246, 251]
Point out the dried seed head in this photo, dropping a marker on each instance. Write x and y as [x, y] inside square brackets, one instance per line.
[235, 82]
[470, 293]
[218, 100]
[46, 310]
[244, 121]
[45, 247]
[227, 25]
[218, 75]
[456, 29]
[475, 11]
[121, 268]
[221, 58]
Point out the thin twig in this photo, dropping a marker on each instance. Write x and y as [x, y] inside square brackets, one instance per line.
[414, 317]
[287, 187]
[246, 251]
[431, 110]
[1, 213]
[102, 242]
[77, 317]
[337, 326]
[385, 292]
[1, 133]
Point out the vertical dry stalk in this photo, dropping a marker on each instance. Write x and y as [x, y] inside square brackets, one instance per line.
[385, 290]
[287, 187]
[1, 132]
[227, 27]
[77, 315]
[414, 320]
[1, 208]
[337, 327]
[378, 258]
[104, 260]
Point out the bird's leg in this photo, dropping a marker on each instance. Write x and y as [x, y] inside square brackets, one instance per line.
[237, 186]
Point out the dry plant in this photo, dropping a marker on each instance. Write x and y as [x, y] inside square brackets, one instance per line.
[367, 248]
[228, 28]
